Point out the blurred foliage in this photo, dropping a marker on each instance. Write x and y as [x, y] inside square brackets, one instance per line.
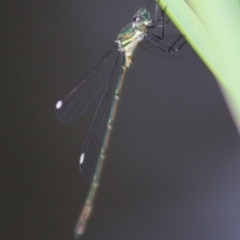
[212, 29]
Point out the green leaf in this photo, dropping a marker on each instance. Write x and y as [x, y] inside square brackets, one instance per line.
[211, 27]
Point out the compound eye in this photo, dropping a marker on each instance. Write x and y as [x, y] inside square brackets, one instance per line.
[137, 19]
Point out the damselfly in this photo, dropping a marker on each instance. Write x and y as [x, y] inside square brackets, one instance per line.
[79, 98]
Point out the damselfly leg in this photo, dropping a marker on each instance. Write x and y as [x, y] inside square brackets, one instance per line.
[156, 39]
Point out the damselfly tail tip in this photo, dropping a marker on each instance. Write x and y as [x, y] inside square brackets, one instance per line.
[77, 232]
[77, 236]
[81, 159]
[59, 104]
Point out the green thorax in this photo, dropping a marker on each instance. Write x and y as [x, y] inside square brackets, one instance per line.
[129, 38]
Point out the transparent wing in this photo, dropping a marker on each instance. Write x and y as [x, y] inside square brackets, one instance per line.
[77, 100]
[95, 141]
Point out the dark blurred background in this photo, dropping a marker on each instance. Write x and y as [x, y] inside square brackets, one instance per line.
[172, 170]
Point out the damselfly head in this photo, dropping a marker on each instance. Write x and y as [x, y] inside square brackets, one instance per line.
[142, 19]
